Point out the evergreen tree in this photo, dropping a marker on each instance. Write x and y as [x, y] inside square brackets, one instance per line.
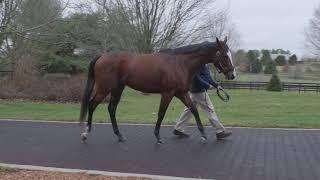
[280, 60]
[256, 52]
[266, 57]
[293, 59]
[270, 68]
[255, 65]
[274, 84]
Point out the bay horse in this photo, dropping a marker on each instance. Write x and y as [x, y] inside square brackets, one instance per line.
[168, 72]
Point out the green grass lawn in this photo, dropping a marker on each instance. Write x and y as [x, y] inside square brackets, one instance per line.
[246, 108]
[7, 170]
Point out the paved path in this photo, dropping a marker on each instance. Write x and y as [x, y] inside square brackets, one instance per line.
[250, 153]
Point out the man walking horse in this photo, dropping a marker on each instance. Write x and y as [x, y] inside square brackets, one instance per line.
[169, 73]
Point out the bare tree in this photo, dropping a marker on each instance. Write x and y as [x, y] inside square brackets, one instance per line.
[27, 20]
[241, 60]
[313, 33]
[42, 13]
[147, 25]
[25, 25]
[8, 11]
[218, 24]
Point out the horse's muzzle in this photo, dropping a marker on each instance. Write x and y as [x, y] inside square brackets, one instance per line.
[230, 76]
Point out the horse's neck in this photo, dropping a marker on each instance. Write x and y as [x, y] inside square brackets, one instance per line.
[194, 63]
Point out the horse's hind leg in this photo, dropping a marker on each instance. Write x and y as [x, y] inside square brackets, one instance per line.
[165, 101]
[113, 104]
[94, 102]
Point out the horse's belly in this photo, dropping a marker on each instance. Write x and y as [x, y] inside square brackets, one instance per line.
[148, 78]
[147, 86]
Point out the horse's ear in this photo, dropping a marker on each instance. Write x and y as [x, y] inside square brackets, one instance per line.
[225, 39]
[218, 42]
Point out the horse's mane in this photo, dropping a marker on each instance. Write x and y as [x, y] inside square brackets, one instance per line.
[194, 48]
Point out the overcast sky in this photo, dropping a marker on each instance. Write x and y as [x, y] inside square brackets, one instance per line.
[272, 23]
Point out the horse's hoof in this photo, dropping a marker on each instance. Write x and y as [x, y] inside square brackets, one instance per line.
[122, 139]
[159, 141]
[204, 140]
[84, 136]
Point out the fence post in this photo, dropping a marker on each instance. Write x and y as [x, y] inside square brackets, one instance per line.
[11, 75]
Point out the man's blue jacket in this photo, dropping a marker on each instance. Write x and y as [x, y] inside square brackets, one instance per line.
[202, 80]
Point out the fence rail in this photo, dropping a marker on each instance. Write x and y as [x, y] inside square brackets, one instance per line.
[4, 73]
[301, 87]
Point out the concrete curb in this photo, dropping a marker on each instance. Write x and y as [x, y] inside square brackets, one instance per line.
[92, 172]
[129, 124]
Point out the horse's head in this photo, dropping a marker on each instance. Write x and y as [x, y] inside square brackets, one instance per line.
[223, 61]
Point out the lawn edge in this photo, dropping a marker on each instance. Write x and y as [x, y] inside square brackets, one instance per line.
[165, 125]
[91, 172]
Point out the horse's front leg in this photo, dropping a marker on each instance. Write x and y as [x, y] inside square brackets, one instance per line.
[185, 98]
[165, 101]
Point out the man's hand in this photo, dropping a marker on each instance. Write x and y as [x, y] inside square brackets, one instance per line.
[220, 88]
[211, 87]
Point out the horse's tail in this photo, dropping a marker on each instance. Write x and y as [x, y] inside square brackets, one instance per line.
[88, 90]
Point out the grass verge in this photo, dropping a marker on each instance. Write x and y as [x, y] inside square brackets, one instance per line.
[246, 108]
[7, 170]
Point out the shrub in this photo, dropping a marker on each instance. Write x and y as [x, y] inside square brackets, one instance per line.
[24, 71]
[56, 76]
[68, 90]
[7, 89]
[274, 84]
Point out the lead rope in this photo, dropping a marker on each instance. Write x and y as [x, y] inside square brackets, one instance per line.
[226, 98]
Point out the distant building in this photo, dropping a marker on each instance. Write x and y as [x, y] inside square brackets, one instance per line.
[274, 56]
[78, 51]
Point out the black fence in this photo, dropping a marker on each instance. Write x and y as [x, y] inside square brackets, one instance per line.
[301, 87]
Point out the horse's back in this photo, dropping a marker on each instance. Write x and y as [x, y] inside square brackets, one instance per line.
[144, 72]
[147, 72]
